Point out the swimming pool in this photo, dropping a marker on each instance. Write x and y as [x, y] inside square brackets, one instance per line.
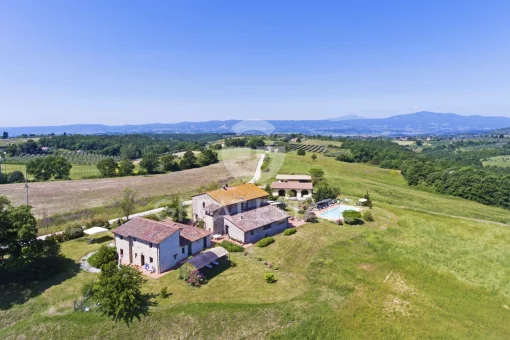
[336, 213]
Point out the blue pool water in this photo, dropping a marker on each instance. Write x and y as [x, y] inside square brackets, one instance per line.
[336, 213]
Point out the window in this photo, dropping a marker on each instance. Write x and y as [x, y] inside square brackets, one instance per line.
[175, 256]
[203, 204]
[251, 233]
[122, 252]
[121, 237]
[267, 227]
[134, 239]
[150, 245]
[150, 259]
[183, 250]
[136, 255]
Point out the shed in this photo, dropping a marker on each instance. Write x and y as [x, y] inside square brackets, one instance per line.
[200, 261]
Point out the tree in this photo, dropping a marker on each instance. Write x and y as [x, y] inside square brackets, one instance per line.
[61, 167]
[324, 191]
[317, 175]
[314, 157]
[128, 202]
[150, 162]
[129, 151]
[169, 163]
[189, 160]
[208, 157]
[15, 177]
[5, 135]
[118, 293]
[21, 253]
[175, 211]
[126, 167]
[104, 255]
[301, 152]
[107, 167]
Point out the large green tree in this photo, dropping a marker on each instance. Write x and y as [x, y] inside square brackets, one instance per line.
[168, 162]
[45, 168]
[150, 162]
[107, 167]
[5, 135]
[128, 202]
[189, 160]
[175, 211]
[126, 167]
[317, 175]
[208, 157]
[118, 292]
[323, 191]
[22, 255]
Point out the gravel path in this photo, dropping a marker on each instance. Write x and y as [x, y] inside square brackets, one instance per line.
[85, 265]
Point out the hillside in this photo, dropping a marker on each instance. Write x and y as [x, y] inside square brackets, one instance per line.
[408, 124]
[430, 266]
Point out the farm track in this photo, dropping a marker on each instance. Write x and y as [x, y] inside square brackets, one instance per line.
[49, 198]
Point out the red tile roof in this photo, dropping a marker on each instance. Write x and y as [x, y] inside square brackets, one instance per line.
[145, 229]
[188, 233]
[237, 194]
[292, 185]
[256, 218]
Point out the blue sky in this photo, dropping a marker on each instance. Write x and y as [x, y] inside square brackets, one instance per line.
[130, 62]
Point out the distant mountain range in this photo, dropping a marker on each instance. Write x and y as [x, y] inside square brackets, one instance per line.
[408, 124]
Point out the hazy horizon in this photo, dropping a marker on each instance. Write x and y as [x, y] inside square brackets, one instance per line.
[120, 63]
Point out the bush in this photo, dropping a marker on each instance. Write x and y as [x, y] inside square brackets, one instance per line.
[301, 152]
[367, 216]
[73, 232]
[103, 256]
[265, 242]
[233, 263]
[97, 223]
[15, 177]
[269, 277]
[289, 231]
[230, 247]
[87, 289]
[164, 293]
[351, 216]
[196, 279]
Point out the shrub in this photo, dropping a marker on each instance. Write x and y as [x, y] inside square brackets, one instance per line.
[367, 216]
[87, 289]
[230, 247]
[164, 293]
[15, 177]
[97, 223]
[73, 232]
[103, 256]
[265, 242]
[259, 259]
[351, 216]
[269, 277]
[233, 263]
[301, 152]
[289, 231]
[196, 279]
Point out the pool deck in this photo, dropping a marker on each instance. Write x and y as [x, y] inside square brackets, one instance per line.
[334, 206]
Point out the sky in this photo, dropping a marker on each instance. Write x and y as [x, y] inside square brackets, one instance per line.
[135, 62]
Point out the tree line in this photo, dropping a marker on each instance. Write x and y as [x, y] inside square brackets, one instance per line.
[447, 171]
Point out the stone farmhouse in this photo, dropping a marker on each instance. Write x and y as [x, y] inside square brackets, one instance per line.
[299, 186]
[158, 246]
[241, 213]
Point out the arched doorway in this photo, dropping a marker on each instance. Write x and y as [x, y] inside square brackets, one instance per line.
[304, 193]
[293, 193]
[281, 193]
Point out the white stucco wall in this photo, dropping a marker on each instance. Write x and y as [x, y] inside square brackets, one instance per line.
[124, 244]
[259, 233]
[234, 232]
[171, 252]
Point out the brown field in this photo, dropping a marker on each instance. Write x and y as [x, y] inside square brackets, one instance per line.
[48, 198]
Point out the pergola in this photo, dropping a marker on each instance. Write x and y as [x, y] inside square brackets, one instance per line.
[200, 261]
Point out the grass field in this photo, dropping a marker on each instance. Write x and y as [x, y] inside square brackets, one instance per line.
[499, 161]
[77, 171]
[404, 142]
[5, 142]
[415, 272]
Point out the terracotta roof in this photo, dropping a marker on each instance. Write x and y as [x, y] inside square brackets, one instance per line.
[188, 233]
[240, 193]
[294, 177]
[145, 229]
[256, 218]
[291, 185]
[212, 207]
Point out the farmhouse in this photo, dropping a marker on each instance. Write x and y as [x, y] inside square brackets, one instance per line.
[158, 246]
[299, 186]
[241, 212]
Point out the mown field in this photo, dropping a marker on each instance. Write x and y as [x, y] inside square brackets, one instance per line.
[413, 273]
[499, 161]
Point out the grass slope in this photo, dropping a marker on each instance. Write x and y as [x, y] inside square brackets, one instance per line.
[409, 274]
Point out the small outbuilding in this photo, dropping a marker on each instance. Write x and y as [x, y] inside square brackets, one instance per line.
[207, 259]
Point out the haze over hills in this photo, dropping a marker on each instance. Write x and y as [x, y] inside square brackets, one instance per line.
[406, 124]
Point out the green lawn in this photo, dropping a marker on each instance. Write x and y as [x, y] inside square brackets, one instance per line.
[77, 171]
[412, 273]
[499, 161]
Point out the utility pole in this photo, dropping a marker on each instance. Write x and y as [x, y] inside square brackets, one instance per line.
[26, 182]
